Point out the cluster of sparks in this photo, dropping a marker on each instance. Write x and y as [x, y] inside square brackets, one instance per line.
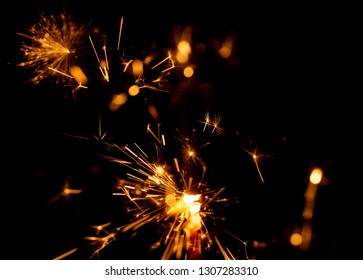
[55, 41]
[157, 189]
[167, 194]
[57, 49]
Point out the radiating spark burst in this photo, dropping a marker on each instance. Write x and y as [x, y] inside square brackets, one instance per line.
[171, 193]
[213, 124]
[59, 47]
[53, 46]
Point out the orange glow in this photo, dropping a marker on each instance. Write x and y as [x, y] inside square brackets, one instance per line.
[137, 67]
[159, 170]
[188, 71]
[225, 52]
[295, 239]
[316, 176]
[134, 90]
[184, 51]
[226, 49]
[308, 213]
[184, 47]
[78, 74]
[182, 57]
[153, 112]
[117, 101]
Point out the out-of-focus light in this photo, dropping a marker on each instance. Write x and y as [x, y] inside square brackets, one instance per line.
[134, 90]
[188, 71]
[117, 101]
[225, 51]
[137, 67]
[295, 239]
[184, 47]
[153, 112]
[316, 176]
[184, 51]
[78, 74]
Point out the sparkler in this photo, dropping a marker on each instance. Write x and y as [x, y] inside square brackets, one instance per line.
[54, 48]
[58, 47]
[170, 191]
[167, 193]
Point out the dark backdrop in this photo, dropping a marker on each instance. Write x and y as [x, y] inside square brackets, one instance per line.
[287, 90]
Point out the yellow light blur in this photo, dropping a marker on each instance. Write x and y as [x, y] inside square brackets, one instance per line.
[159, 170]
[117, 101]
[316, 176]
[78, 74]
[184, 47]
[182, 57]
[295, 239]
[170, 199]
[188, 71]
[225, 51]
[184, 51]
[134, 90]
[137, 67]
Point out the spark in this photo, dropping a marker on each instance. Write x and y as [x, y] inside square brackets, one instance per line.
[99, 137]
[103, 64]
[119, 34]
[256, 158]
[53, 46]
[213, 123]
[66, 254]
[66, 192]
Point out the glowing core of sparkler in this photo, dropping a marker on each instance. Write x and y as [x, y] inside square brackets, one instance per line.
[190, 199]
[187, 207]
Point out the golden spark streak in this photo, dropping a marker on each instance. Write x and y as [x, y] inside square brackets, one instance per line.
[60, 72]
[161, 62]
[119, 34]
[130, 226]
[66, 254]
[255, 158]
[224, 253]
[103, 69]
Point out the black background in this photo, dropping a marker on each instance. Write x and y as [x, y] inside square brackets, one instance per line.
[288, 90]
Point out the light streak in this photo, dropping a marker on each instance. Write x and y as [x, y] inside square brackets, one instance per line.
[315, 178]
